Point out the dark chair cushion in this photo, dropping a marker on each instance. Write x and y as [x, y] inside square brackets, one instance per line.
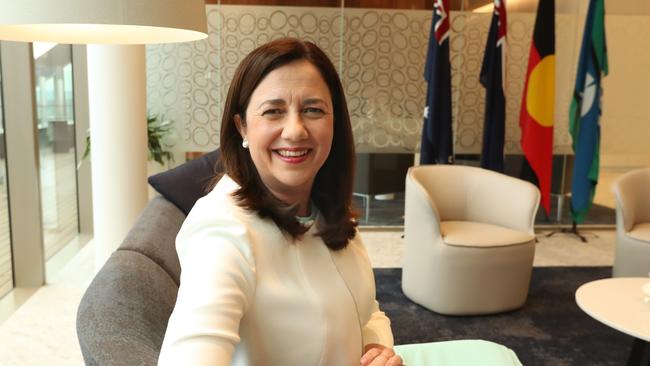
[188, 182]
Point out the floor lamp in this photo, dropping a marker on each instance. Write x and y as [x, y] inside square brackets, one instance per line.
[116, 32]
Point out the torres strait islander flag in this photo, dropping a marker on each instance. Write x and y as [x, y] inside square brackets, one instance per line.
[585, 111]
[538, 102]
[492, 77]
[437, 142]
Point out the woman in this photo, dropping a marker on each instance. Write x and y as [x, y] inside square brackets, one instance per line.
[273, 271]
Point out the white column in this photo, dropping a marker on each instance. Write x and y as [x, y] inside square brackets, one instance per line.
[118, 138]
[23, 170]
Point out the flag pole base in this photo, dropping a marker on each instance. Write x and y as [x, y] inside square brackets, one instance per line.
[571, 231]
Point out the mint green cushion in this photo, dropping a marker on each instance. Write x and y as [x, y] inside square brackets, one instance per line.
[457, 353]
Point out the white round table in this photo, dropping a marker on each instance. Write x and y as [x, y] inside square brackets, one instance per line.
[619, 303]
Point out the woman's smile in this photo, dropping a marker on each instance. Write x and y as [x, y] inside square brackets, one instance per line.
[292, 155]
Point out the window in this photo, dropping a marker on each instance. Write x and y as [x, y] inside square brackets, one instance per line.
[55, 114]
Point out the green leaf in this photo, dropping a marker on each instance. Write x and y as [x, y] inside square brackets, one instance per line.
[157, 128]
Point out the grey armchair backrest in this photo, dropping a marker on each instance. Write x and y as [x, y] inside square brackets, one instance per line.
[123, 315]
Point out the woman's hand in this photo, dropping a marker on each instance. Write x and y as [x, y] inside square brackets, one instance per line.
[378, 355]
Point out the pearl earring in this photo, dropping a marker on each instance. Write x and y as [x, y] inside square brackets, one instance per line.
[244, 143]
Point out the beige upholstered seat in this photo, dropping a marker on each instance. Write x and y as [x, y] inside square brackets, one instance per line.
[632, 193]
[469, 239]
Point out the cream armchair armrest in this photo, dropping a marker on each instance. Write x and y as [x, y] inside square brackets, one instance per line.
[422, 241]
[421, 212]
[630, 196]
[498, 199]
[624, 207]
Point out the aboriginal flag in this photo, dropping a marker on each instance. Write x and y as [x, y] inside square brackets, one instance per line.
[538, 102]
[437, 142]
[492, 78]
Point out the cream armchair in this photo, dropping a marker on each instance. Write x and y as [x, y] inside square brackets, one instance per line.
[632, 254]
[469, 239]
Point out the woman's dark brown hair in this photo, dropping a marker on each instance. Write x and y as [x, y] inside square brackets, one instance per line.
[332, 189]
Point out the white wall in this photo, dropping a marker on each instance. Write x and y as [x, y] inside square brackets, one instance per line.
[625, 125]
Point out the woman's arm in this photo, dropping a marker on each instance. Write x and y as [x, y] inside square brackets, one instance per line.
[378, 341]
[377, 329]
[217, 285]
[377, 334]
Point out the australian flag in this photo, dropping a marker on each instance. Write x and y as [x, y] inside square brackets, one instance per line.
[492, 78]
[437, 143]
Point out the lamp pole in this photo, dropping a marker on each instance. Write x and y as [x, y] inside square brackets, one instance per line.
[118, 115]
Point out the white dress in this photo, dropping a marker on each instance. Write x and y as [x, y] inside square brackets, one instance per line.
[249, 296]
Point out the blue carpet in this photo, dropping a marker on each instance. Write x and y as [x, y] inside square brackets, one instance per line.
[549, 330]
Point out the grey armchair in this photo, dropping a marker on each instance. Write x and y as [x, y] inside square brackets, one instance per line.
[123, 315]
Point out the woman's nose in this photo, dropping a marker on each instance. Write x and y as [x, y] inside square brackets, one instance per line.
[294, 128]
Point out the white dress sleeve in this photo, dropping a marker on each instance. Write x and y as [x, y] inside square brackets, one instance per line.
[377, 329]
[217, 286]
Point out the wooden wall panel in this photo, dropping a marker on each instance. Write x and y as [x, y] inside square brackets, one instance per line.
[367, 4]
[310, 3]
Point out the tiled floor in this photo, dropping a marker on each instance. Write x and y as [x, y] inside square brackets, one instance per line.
[59, 205]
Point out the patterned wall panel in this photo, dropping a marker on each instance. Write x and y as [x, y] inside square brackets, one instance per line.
[382, 75]
[380, 57]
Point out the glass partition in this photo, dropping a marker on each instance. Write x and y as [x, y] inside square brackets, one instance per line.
[6, 267]
[55, 119]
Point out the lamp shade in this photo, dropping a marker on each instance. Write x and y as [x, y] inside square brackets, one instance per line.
[103, 21]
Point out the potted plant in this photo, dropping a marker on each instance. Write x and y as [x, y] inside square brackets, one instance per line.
[158, 128]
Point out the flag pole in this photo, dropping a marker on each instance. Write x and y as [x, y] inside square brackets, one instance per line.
[573, 230]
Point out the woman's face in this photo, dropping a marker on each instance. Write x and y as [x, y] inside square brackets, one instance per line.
[289, 126]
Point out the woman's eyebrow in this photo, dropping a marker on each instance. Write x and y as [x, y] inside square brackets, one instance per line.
[276, 101]
[310, 101]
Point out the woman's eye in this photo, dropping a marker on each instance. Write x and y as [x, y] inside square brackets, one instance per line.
[272, 112]
[315, 112]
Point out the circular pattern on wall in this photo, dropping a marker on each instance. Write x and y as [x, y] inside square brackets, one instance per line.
[278, 19]
[517, 31]
[369, 19]
[200, 46]
[184, 87]
[200, 136]
[169, 98]
[247, 24]
[397, 77]
[380, 58]
[169, 80]
[400, 21]
[201, 115]
[200, 62]
[308, 22]
[201, 97]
